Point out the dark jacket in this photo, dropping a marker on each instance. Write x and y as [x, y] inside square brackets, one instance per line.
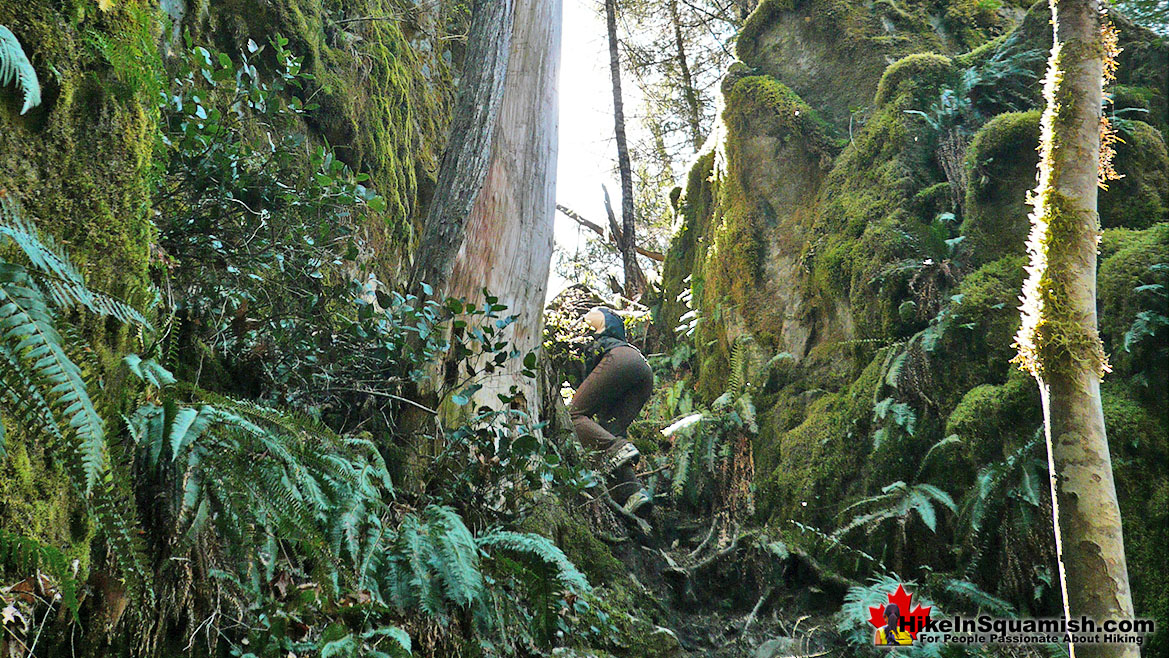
[613, 335]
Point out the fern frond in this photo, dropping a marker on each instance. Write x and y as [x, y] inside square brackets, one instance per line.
[985, 602]
[16, 69]
[541, 548]
[27, 326]
[27, 554]
[457, 553]
[62, 283]
[738, 367]
[122, 536]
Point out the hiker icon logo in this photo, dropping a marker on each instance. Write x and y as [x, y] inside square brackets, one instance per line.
[896, 623]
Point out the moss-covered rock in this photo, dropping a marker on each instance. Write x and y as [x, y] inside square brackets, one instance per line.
[1141, 198]
[919, 74]
[774, 156]
[81, 162]
[1125, 259]
[806, 482]
[1139, 445]
[993, 420]
[1001, 162]
[833, 52]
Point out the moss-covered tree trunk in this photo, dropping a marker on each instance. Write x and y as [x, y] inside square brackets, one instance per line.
[1058, 341]
[508, 243]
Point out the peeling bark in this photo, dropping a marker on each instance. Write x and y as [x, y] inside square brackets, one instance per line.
[469, 150]
[508, 243]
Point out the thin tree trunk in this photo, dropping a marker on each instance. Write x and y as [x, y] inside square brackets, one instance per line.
[634, 278]
[1058, 341]
[688, 91]
[469, 148]
[508, 245]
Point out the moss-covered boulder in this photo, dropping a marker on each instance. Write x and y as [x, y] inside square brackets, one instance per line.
[1126, 260]
[1141, 197]
[920, 74]
[1001, 163]
[753, 228]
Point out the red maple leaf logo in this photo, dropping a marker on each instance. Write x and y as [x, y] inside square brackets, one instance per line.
[913, 622]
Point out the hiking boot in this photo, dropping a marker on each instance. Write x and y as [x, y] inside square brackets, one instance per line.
[640, 504]
[620, 454]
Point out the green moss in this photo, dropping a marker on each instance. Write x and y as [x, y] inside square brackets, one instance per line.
[81, 166]
[762, 18]
[576, 539]
[863, 224]
[978, 346]
[81, 162]
[805, 484]
[1139, 446]
[36, 500]
[994, 420]
[775, 152]
[933, 200]
[919, 74]
[383, 100]
[1141, 198]
[974, 21]
[1124, 264]
[1001, 162]
[693, 208]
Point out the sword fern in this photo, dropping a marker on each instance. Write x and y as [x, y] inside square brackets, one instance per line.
[16, 69]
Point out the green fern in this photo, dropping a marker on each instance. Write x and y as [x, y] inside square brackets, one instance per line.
[16, 69]
[540, 549]
[898, 501]
[738, 367]
[1018, 480]
[29, 555]
[28, 330]
[56, 276]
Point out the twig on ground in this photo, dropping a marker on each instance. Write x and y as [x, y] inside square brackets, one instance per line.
[758, 606]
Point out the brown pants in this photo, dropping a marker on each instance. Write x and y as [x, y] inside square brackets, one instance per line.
[607, 401]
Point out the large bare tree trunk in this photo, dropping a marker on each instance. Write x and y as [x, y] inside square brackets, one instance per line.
[468, 154]
[688, 91]
[1058, 341]
[507, 248]
[634, 278]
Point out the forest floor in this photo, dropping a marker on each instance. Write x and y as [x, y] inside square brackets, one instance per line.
[722, 597]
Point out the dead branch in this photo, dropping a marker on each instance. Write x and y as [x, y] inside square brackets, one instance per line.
[613, 238]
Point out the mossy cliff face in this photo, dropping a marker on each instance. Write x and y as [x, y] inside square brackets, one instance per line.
[80, 164]
[852, 263]
[833, 52]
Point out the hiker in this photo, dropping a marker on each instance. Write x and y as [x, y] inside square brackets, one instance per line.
[889, 634]
[618, 382]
